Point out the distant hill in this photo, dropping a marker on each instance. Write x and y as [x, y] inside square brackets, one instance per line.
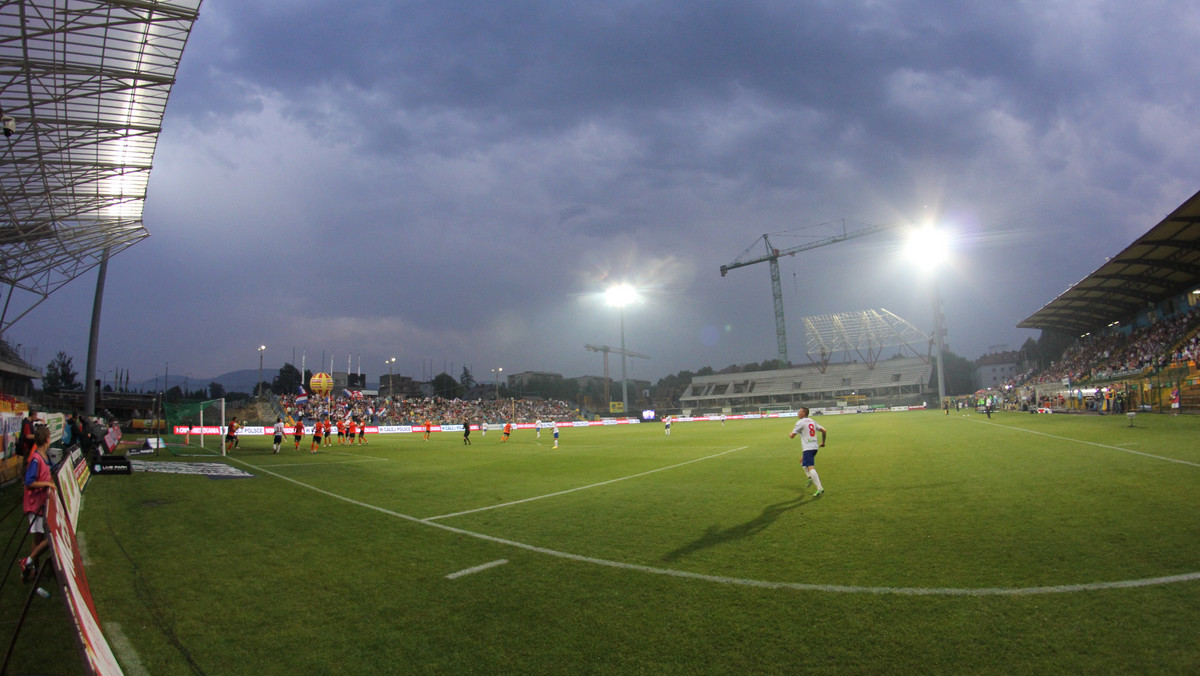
[234, 381]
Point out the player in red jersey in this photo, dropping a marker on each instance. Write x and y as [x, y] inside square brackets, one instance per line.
[231, 435]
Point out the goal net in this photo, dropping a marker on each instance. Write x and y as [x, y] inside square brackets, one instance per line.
[194, 425]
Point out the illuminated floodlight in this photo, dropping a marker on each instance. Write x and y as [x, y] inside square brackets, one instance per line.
[928, 247]
[621, 295]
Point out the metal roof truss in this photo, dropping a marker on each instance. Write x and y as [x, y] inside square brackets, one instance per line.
[86, 84]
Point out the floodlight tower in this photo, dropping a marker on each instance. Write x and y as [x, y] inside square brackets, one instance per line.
[772, 257]
[261, 349]
[619, 296]
[928, 248]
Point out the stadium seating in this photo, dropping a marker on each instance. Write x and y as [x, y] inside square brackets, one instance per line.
[885, 383]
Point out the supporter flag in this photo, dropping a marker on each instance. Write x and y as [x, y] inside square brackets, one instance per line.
[302, 396]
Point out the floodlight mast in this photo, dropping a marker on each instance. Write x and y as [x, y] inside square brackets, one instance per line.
[772, 257]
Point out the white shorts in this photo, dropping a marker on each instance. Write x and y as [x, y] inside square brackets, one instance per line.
[37, 523]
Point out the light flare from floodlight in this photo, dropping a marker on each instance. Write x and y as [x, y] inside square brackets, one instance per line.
[621, 295]
[928, 247]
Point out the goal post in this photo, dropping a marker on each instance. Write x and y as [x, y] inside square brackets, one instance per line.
[198, 419]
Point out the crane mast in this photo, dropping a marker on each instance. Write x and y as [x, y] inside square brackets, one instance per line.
[772, 259]
[615, 350]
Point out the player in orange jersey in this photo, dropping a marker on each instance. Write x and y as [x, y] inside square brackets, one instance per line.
[428, 429]
[341, 428]
[507, 431]
[318, 428]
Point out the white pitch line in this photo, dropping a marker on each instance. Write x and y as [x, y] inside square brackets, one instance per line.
[844, 589]
[131, 662]
[323, 464]
[581, 488]
[352, 455]
[1090, 443]
[765, 584]
[476, 569]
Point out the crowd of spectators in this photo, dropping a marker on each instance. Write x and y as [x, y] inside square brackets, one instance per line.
[1115, 355]
[416, 410]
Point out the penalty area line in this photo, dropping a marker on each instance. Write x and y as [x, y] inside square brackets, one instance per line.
[323, 464]
[353, 455]
[476, 569]
[581, 488]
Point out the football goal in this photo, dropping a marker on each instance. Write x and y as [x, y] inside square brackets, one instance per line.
[194, 424]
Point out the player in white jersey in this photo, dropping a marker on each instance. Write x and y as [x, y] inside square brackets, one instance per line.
[555, 430]
[807, 428]
[537, 426]
[278, 433]
[667, 425]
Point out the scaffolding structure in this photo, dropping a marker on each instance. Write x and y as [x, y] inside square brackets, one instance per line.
[861, 336]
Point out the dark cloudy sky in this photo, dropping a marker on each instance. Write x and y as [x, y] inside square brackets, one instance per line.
[452, 183]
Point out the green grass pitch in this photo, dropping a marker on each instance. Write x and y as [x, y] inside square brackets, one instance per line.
[943, 544]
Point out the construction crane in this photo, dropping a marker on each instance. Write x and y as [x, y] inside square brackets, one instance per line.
[772, 257]
[616, 350]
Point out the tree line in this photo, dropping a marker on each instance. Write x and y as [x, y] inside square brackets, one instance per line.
[60, 376]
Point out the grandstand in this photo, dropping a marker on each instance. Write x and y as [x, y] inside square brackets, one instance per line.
[1137, 319]
[847, 369]
[83, 88]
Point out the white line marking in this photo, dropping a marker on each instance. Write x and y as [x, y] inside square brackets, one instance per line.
[352, 455]
[323, 464]
[476, 569]
[81, 541]
[581, 488]
[131, 663]
[765, 584]
[1090, 443]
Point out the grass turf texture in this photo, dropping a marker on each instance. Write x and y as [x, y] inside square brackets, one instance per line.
[277, 575]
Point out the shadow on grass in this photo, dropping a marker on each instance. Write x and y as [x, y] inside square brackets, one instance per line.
[715, 535]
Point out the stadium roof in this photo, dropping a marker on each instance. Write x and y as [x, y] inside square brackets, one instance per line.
[86, 84]
[1162, 263]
